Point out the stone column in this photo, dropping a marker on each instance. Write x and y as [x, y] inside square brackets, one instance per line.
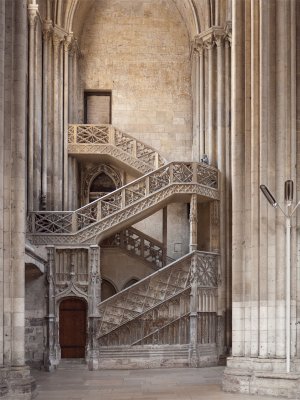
[165, 235]
[67, 45]
[32, 17]
[193, 348]
[75, 83]
[94, 292]
[196, 97]
[14, 375]
[46, 44]
[263, 152]
[193, 223]
[202, 143]
[51, 359]
[57, 142]
[228, 223]
[211, 133]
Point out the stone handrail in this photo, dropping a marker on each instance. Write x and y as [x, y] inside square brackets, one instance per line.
[156, 289]
[139, 245]
[81, 137]
[122, 204]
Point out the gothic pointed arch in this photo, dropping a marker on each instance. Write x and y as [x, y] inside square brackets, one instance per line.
[98, 181]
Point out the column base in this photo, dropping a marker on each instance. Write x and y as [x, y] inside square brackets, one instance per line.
[16, 383]
[262, 377]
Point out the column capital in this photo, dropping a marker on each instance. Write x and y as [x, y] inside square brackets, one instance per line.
[213, 36]
[197, 45]
[47, 29]
[68, 42]
[32, 11]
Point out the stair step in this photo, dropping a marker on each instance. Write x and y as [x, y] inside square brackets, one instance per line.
[72, 363]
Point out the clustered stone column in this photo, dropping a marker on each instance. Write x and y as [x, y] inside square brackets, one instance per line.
[212, 98]
[51, 356]
[94, 293]
[14, 375]
[53, 76]
[264, 145]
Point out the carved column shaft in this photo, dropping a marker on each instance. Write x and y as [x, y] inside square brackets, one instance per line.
[165, 235]
[32, 17]
[95, 281]
[94, 293]
[211, 133]
[57, 142]
[46, 45]
[202, 143]
[193, 223]
[228, 223]
[195, 88]
[193, 353]
[51, 334]
[67, 44]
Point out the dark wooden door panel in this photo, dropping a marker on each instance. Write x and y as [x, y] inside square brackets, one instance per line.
[72, 328]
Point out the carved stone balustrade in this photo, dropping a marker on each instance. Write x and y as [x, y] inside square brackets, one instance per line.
[105, 139]
[139, 245]
[124, 206]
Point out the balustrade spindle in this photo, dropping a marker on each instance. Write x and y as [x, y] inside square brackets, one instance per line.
[99, 211]
[156, 161]
[134, 149]
[74, 223]
[195, 172]
[112, 135]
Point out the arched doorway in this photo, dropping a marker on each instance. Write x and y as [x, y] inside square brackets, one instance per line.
[72, 328]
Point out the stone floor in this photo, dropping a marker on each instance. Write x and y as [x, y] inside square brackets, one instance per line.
[75, 382]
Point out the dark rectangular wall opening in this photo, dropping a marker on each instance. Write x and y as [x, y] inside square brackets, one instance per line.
[97, 107]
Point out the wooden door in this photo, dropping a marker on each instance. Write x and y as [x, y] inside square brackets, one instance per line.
[72, 328]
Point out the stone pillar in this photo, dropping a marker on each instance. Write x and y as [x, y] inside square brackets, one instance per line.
[196, 98]
[15, 380]
[193, 348]
[94, 292]
[57, 133]
[46, 44]
[193, 223]
[32, 18]
[228, 223]
[51, 358]
[211, 132]
[263, 152]
[67, 45]
[165, 235]
[202, 143]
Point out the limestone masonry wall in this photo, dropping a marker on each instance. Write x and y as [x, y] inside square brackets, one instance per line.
[140, 50]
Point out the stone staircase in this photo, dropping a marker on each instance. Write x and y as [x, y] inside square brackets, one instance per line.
[168, 318]
[139, 245]
[125, 206]
[112, 142]
[149, 323]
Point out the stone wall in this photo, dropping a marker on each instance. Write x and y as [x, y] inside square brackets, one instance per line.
[118, 268]
[35, 312]
[140, 50]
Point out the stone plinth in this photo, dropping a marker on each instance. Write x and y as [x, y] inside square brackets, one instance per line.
[261, 377]
[16, 383]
